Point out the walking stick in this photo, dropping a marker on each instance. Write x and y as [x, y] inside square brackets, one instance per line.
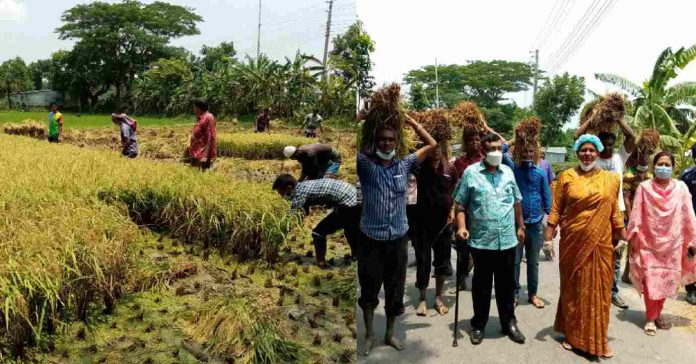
[456, 300]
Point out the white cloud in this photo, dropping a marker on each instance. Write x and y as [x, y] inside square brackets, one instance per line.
[12, 10]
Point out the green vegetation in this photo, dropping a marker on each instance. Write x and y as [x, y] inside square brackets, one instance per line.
[90, 121]
[258, 145]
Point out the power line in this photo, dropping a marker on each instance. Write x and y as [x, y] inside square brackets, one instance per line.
[548, 19]
[581, 39]
[581, 24]
[560, 18]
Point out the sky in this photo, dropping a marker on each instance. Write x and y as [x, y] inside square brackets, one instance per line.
[28, 26]
[626, 40]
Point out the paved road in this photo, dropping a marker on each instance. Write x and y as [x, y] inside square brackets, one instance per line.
[429, 339]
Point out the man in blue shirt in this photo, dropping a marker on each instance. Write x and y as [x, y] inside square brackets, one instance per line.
[383, 254]
[689, 177]
[489, 198]
[536, 201]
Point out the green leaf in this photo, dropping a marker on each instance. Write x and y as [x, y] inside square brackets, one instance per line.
[621, 82]
[664, 122]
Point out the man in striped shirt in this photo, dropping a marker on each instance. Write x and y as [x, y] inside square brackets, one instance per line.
[332, 193]
[383, 254]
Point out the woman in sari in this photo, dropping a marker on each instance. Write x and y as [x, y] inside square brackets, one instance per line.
[661, 232]
[585, 207]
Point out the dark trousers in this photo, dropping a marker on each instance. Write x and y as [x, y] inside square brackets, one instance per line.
[432, 248]
[382, 262]
[53, 139]
[533, 240]
[490, 265]
[463, 261]
[346, 218]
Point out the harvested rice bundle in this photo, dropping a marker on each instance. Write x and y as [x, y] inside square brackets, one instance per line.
[648, 142]
[526, 134]
[467, 113]
[435, 121]
[385, 109]
[606, 114]
[468, 130]
[30, 128]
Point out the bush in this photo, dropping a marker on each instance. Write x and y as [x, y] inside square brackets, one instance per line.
[65, 226]
[258, 145]
[560, 167]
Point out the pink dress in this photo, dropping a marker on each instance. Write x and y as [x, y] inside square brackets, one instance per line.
[661, 228]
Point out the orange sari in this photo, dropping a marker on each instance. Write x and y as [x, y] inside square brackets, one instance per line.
[587, 212]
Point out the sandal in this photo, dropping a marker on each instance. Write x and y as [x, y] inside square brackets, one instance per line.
[441, 309]
[537, 302]
[422, 309]
[662, 325]
[650, 328]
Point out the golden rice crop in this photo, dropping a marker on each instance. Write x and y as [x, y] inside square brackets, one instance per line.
[386, 108]
[65, 226]
[257, 145]
[30, 128]
[526, 134]
[604, 114]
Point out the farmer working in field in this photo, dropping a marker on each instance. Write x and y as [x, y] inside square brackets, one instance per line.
[312, 122]
[614, 162]
[55, 124]
[317, 160]
[383, 255]
[333, 193]
[202, 145]
[263, 122]
[128, 126]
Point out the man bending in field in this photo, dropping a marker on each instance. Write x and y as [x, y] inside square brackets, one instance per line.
[339, 195]
[129, 142]
[317, 160]
[203, 145]
[55, 124]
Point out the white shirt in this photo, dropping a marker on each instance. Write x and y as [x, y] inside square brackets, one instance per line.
[616, 164]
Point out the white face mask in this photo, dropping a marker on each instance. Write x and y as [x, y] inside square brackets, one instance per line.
[640, 168]
[494, 158]
[386, 156]
[588, 167]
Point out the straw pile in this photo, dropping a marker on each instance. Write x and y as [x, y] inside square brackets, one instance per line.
[30, 128]
[605, 114]
[646, 146]
[385, 109]
[466, 113]
[436, 124]
[526, 134]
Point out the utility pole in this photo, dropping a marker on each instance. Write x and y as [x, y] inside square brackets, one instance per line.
[258, 40]
[437, 87]
[326, 42]
[536, 73]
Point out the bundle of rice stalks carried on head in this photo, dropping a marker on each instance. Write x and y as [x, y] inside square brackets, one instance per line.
[385, 109]
[436, 123]
[527, 134]
[605, 114]
[466, 113]
[648, 142]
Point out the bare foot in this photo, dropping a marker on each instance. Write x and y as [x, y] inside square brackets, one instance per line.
[566, 345]
[394, 343]
[422, 309]
[608, 353]
[369, 344]
[440, 306]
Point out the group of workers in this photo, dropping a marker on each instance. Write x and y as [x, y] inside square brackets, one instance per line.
[500, 211]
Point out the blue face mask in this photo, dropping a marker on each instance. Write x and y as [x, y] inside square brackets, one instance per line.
[663, 172]
[527, 164]
[386, 156]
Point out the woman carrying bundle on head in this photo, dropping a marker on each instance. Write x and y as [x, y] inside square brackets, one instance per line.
[432, 242]
[536, 202]
[383, 174]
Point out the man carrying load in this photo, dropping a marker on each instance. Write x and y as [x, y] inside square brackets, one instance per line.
[317, 160]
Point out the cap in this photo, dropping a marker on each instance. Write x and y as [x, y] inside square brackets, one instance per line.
[289, 151]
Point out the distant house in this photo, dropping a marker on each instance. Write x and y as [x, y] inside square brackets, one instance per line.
[555, 154]
[38, 98]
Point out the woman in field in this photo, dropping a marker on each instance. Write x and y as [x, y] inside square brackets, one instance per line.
[585, 207]
[129, 141]
[661, 232]
[202, 145]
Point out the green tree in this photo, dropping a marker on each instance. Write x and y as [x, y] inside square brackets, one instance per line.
[155, 91]
[350, 58]
[214, 56]
[484, 82]
[555, 104]
[39, 71]
[120, 40]
[658, 105]
[14, 78]
[419, 102]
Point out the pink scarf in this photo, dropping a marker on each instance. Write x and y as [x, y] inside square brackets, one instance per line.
[661, 228]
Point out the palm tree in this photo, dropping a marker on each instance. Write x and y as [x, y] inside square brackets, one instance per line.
[657, 105]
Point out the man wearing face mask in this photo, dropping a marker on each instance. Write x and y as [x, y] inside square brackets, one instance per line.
[689, 177]
[536, 201]
[633, 177]
[332, 193]
[383, 254]
[489, 198]
[614, 162]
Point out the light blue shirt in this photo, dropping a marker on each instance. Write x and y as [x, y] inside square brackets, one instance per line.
[489, 199]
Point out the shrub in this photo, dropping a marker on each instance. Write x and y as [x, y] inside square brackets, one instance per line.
[257, 145]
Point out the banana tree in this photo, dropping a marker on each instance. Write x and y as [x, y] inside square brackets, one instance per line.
[656, 104]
